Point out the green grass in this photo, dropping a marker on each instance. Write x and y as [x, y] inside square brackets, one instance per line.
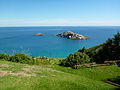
[54, 77]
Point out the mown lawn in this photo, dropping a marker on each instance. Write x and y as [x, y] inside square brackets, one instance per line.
[15, 76]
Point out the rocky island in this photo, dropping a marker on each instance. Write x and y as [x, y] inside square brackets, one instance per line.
[71, 35]
[38, 34]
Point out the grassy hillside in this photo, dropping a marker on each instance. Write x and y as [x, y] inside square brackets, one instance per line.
[16, 76]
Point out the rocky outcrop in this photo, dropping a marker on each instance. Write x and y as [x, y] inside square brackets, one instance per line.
[38, 34]
[71, 35]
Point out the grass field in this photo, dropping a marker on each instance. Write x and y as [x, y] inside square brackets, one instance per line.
[16, 76]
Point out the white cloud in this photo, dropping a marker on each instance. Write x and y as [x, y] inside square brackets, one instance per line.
[57, 22]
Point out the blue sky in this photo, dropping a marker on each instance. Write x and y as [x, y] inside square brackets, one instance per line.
[59, 12]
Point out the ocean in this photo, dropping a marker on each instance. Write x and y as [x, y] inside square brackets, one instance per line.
[21, 39]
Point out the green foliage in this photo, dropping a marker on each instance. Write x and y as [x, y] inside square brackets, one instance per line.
[82, 50]
[118, 63]
[21, 58]
[116, 39]
[4, 57]
[110, 50]
[115, 80]
[75, 59]
[18, 57]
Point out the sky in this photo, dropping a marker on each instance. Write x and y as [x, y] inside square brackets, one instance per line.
[59, 12]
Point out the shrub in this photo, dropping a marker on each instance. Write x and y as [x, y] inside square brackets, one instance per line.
[118, 63]
[22, 58]
[75, 59]
[115, 80]
[4, 57]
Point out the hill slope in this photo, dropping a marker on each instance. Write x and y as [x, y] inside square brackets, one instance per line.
[15, 76]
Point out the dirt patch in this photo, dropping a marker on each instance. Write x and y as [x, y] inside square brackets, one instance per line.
[29, 68]
[3, 73]
[4, 65]
[22, 74]
[27, 71]
[37, 68]
[51, 70]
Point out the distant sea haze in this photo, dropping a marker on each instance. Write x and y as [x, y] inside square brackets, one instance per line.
[22, 39]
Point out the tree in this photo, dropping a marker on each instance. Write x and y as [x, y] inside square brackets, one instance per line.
[75, 59]
[82, 50]
[116, 39]
[110, 50]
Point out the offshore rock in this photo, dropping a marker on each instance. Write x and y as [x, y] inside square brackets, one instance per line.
[38, 34]
[71, 35]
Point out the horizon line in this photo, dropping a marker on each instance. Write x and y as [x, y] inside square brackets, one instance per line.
[66, 26]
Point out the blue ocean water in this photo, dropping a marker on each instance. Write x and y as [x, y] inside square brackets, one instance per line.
[21, 39]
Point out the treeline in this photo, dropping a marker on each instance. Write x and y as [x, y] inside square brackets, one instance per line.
[25, 59]
[110, 50]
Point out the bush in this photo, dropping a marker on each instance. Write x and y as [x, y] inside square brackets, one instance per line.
[22, 58]
[4, 57]
[75, 59]
[118, 63]
[115, 80]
